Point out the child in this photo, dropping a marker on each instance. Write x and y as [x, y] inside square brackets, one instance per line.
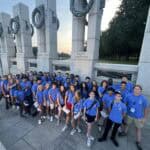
[46, 99]
[76, 112]
[68, 104]
[19, 94]
[60, 101]
[40, 101]
[53, 99]
[118, 111]
[90, 106]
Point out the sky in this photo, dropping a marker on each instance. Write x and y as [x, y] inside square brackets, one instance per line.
[65, 18]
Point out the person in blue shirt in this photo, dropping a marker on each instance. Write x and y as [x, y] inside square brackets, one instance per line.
[76, 112]
[84, 90]
[12, 88]
[60, 102]
[5, 91]
[68, 104]
[88, 83]
[40, 101]
[137, 112]
[46, 99]
[90, 106]
[102, 88]
[53, 99]
[123, 89]
[19, 94]
[117, 113]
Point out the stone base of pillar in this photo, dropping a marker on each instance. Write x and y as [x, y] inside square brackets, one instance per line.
[143, 77]
[83, 67]
[5, 63]
[44, 63]
[22, 64]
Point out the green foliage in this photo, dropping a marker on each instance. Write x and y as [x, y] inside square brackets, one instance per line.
[123, 38]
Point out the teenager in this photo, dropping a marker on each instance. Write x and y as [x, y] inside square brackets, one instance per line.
[118, 111]
[76, 112]
[90, 106]
[53, 100]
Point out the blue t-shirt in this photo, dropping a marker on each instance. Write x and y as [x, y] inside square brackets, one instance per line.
[53, 93]
[45, 94]
[77, 107]
[39, 97]
[136, 105]
[34, 88]
[116, 114]
[124, 93]
[20, 95]
[108, 99]
[61, 99]
[93, 111]
[101, 90]
[4, 85]
[26, 86]
[70, 96]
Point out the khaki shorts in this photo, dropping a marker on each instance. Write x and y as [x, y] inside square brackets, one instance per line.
[137, 122]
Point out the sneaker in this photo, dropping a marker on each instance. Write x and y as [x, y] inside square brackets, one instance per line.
[138, 145]
[88, 142]
[115, 142]
[99, 128]
[73, 131]
[13, 106]
[56, 116]
[101, 139]
[51, 119]
[78, 129]
[44, 117]
[91, 138]
[64, 128]
[39, 122]
[17, 107]
[121, 134]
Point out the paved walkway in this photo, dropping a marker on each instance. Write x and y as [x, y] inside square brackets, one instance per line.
[25, 134]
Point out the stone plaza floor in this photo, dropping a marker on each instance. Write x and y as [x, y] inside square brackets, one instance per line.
[25, 134]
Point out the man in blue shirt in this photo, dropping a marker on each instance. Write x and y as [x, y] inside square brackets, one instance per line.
[137, 112]
[118, 111]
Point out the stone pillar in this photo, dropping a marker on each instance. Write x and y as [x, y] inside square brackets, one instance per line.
[6, 43]
[144, 61]
[82, 63]
[47, 36]
[23, 37]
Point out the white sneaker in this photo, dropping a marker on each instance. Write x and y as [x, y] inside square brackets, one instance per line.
[78, 129]
[44, 117]
[56, 116]
[13, 106]
[17, 108]
[39, 122]
[73, 131]
[100, 128]
[91, 138]
[64, 128]
[88, 142]
[51, 119]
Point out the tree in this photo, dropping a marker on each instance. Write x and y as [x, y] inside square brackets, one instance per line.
[125, 34]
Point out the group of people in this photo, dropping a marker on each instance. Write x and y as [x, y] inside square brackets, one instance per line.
[51, 95]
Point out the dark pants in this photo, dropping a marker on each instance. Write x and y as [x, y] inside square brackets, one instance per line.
[7, 102]
[108, 127]
[21, 107]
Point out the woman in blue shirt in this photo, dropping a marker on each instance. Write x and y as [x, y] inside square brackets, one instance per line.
[76, 112]
[40, 100]
[91, 106]
[60, 101]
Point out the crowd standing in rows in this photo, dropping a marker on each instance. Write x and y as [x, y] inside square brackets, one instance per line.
[51, 95]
